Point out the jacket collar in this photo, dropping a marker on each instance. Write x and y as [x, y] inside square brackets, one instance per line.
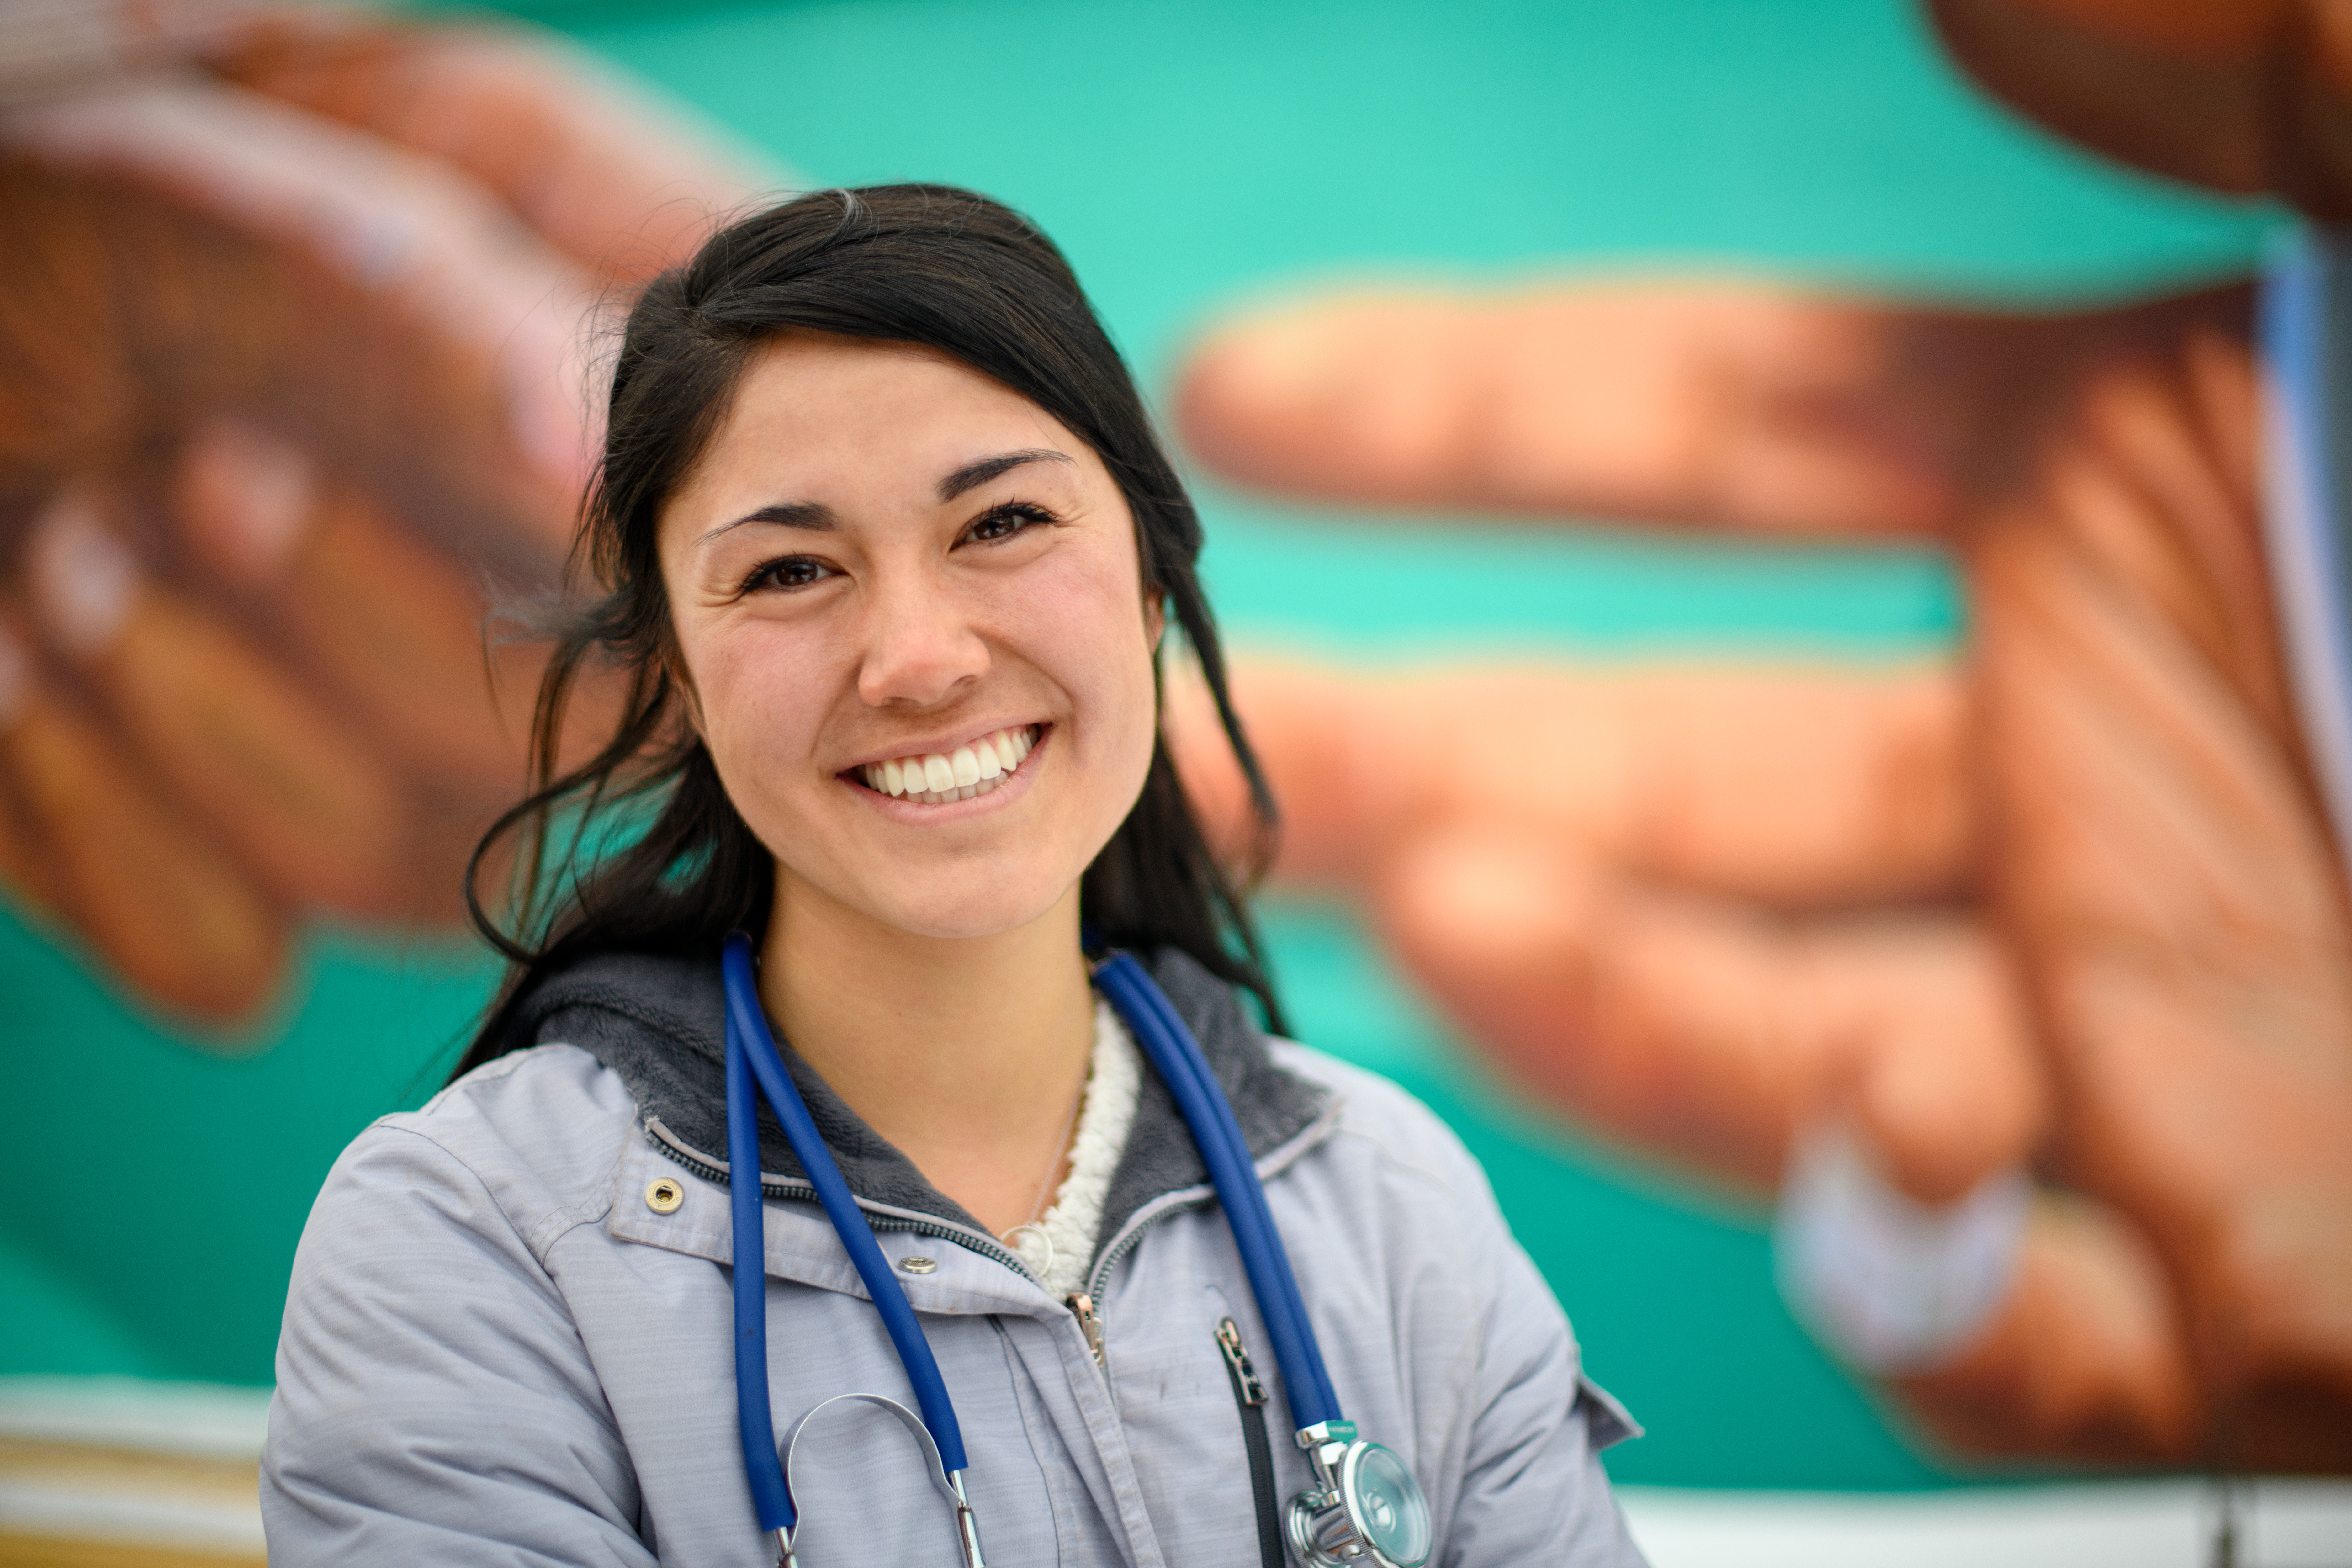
[658, 1022]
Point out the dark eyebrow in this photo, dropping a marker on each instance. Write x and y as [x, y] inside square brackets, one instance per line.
[979, 472]
[819, 518]
[809, 514]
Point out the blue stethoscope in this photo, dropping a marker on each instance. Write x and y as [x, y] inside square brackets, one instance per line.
[1365, 1511]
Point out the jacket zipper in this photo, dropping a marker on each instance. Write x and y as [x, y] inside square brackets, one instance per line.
[1126, 1244]
[880, 1222]
[1082, 1307]
[1249, 1399]
[1089, 1316]
[1081, 1304]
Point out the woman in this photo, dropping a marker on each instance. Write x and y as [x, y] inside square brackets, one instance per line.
[889, 548]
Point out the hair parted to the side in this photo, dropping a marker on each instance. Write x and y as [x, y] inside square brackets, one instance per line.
[932, 265]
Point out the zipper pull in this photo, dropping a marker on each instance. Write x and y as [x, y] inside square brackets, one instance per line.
[1229, 1340]
[1082, 1307]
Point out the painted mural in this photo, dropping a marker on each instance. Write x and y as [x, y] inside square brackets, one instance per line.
[2006, 983]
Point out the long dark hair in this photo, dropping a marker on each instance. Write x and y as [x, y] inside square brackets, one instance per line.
[920, 263]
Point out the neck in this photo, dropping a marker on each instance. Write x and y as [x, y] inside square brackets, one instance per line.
[967, 1053]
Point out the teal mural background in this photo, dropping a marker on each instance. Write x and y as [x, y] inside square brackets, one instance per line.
[1190, 157]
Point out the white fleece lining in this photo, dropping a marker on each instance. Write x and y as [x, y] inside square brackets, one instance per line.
[1060, 1256]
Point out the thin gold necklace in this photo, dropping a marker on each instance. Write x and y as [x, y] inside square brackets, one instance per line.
[1044, 1187]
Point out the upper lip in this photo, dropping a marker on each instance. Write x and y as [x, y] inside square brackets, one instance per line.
[938, 748]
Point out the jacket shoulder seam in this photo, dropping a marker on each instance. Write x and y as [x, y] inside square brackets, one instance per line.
[1425, 1162]
[540, 1237]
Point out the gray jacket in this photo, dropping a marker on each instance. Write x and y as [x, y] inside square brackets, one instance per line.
[497, 1350]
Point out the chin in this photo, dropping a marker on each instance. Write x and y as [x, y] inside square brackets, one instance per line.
[967, 919]
[983, 897]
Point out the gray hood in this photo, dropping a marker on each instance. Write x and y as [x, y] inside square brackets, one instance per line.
[658, 1023]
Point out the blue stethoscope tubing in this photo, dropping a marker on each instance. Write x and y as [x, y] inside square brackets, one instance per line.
[1177, 1055]
[752, 1056]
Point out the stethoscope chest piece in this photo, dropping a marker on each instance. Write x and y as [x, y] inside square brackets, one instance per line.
[1366, 1511]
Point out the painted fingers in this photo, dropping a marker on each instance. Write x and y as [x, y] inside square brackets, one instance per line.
[285, 419]
[1706, 402]
[1800, 785]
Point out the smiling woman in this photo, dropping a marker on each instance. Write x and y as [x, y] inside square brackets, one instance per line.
[857, 438]
[946, 562]
[885, 548]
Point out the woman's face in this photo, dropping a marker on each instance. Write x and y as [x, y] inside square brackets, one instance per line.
[911, 617]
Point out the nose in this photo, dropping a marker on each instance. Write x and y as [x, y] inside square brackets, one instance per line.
[921, 647]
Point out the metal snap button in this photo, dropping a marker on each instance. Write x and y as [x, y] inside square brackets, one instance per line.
[918, 1266]
[663, 1195]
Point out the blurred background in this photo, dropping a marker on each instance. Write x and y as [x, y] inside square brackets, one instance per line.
[1759, 573]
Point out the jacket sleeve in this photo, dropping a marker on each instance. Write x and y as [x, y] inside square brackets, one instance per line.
[1533, 1489]
[434, 1402]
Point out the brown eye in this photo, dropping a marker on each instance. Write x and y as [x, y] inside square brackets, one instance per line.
[1005, 521]
[791, 572]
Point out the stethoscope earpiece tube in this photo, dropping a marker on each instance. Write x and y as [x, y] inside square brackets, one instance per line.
[1164, 1038]
[772, 1498]
[748, 1040]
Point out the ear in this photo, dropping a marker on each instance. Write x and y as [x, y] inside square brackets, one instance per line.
[1155, 617]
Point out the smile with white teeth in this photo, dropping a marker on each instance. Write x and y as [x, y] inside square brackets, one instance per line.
[967, 771]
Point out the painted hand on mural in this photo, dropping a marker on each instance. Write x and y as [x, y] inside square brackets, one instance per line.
[292, 356]
[2069, 900]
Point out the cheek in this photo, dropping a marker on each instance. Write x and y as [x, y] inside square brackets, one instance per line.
[756, 687]
[1085, 623]
[1118, 726]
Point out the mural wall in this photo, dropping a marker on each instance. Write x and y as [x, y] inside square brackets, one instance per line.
[1780, 619]
[2022, 974]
